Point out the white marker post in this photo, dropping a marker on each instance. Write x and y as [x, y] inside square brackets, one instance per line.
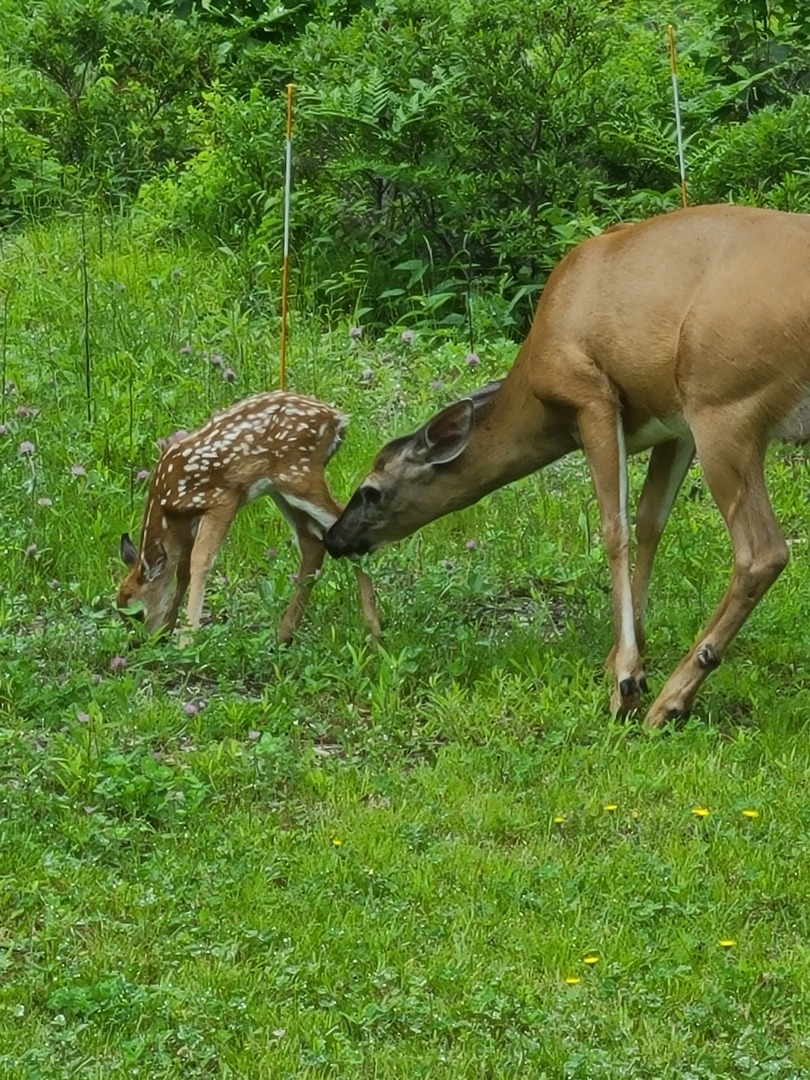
[285, 269]
[676, 97]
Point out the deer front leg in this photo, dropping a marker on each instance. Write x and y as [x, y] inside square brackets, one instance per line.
[600, 428]
[180, 588]
[213, 529]
[182, 578]
[313, 514]
[734, 471]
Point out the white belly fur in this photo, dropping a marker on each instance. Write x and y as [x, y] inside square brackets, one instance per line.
[657, 431]
[259, 488]
[796, 425]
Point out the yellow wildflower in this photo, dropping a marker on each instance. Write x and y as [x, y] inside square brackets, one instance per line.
[559, 819]
[610, 807]
[573, 980]
[591, 959]
[727, 943]
[701, 812]
[750, 813]
[336, 841]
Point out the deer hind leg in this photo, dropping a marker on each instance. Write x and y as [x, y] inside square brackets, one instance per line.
[668, 466]
[310, 518]
[368, 603]
[211, 533]
[312, 552]
[600, 428]
[734, 468]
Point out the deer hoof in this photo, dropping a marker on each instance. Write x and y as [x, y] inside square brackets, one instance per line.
[661, 716]
[626, 696]
[633, 686]
[707, 658]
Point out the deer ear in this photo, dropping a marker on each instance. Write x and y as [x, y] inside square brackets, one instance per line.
[129, 553]
[154, 559]
[447, 435]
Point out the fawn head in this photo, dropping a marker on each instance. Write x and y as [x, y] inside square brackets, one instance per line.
[144, 594]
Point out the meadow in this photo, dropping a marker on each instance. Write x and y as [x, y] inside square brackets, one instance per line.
[436, 858]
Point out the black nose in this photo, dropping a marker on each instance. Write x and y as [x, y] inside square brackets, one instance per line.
[334, 547]
[338, 548]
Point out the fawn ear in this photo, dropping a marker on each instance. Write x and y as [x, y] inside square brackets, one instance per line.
[154, 559]
[129, 553]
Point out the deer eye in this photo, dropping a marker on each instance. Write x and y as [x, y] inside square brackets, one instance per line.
[370, 494]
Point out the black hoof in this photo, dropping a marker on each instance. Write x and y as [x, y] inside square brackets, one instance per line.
[631, 687]
[707, 657]
[627, 687]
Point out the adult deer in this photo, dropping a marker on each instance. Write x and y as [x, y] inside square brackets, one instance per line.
[274, 444]
[689, 331]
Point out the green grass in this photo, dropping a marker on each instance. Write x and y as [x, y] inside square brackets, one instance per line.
[240, 860]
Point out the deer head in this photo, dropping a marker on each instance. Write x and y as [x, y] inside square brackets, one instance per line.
[145, 588]
[410, 477]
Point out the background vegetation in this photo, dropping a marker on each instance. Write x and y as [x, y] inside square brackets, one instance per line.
[444, 151]
[438, 858]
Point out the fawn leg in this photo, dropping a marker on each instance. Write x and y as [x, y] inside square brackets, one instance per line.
[213, 529]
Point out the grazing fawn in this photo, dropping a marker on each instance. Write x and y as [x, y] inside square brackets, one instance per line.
[274, 444]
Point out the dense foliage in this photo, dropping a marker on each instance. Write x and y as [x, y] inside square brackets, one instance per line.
[441, 148]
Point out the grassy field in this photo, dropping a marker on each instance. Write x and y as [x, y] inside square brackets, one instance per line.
[439, 858]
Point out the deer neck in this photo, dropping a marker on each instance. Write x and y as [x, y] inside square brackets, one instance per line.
[515, 435]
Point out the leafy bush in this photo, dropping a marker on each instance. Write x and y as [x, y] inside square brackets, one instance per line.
[103, 93]
[765, 160]
[441, 146]
[764, 49]
[428, 130]
[232, 184]
[446, 154]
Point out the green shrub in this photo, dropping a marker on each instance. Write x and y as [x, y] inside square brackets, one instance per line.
[765, 160]
[103, 93]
